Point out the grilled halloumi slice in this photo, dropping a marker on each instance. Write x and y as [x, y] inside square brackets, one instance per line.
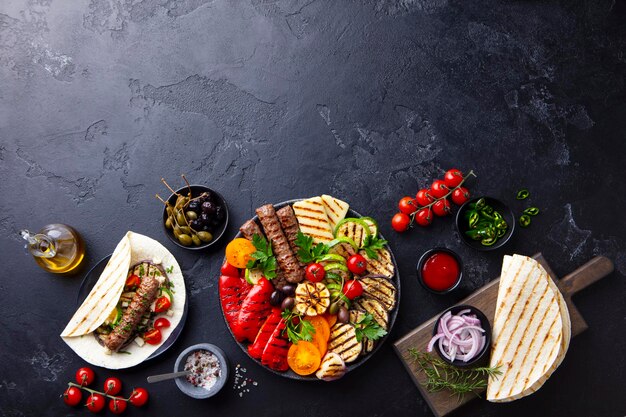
[381, 266]
[313, 219]
[332, 367]
[381, 290]
[367, 344]
[335, 209]
[376, 309]
[343, 342]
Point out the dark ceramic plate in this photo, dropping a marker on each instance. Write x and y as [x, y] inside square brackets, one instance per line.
[90, 280]
[462, 226]
[196, 190]
[352, 366]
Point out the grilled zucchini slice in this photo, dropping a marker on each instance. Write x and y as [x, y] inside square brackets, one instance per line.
[355, 229]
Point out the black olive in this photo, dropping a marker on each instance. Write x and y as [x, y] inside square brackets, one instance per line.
[343, 316]
[276, 298]
[288, 303]
[194, 205]
[208, 208]
[289, 290]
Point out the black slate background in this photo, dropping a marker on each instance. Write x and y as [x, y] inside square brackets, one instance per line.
[271, 100]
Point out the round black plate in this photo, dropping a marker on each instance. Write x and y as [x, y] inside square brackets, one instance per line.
[90, 280]
[392, 314]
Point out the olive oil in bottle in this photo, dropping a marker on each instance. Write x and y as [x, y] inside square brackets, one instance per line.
[57, 248]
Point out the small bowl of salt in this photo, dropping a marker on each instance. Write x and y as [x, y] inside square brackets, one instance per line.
[208, 370]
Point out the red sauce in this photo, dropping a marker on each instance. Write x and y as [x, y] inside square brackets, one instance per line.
[440, 271]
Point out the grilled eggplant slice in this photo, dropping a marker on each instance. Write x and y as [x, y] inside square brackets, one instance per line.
[332, 367]
[381, 266]
[380, 289]
[376, 309]
[343, 342]
[367, 344]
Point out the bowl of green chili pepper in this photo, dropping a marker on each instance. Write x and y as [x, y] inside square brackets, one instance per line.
[485, 223]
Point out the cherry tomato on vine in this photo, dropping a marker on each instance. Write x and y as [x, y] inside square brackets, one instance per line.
[315, 272]
[400, 222]
[357, 264]
[423, 198]
[460, 195]
[117, 405]
[161, 322]
[85, 376]
[442, 207]
[139, 397]
[438, 189]
[407, 205]
[453, 178]
[352, 289]
[229, 270]
[152, 337]
[112, 386]
[95, 402]
[72, 396]
[424, 217]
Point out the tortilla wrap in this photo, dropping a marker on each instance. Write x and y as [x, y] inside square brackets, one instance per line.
[98, 305]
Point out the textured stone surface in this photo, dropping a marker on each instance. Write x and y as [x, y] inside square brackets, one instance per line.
[271, 100]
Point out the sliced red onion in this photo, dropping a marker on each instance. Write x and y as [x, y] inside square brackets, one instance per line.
[459, 336]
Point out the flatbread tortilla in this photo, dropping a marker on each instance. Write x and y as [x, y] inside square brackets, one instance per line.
[531, 330]
[101, 301]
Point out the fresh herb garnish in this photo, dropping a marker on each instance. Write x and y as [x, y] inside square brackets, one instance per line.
[304, 330]
[367, 327]
[170, 269]
[263, 258]
[141, 270]
[372, 244]
[307, 252]
[459, 381]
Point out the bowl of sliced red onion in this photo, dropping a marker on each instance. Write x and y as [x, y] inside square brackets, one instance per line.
[462, 336]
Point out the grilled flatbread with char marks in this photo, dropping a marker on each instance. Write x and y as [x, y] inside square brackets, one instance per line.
[313, 219]
[343, 342]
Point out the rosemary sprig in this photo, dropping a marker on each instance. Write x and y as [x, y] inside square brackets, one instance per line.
[459, 381]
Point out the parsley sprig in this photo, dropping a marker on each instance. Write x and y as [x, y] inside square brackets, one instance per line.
[307, 252]
[367, 327]
[263, 258]
[372, 244]
[303, 330]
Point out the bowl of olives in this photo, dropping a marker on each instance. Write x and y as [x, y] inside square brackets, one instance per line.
[195, 217]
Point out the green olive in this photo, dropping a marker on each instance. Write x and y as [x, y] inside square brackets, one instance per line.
[196, 240]
[191, 215]
[185, 239]
[185, 229]
[334, 307]
[168, 223]
[205, 236]
[168, 209]
[180, 219]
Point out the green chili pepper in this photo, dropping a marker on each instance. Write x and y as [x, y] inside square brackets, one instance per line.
[472, 206]
[486, 215]
[488, 241]
[480, 203]
[524, 220]
[531, 211]
[522, 194]
[497, 215]
[473, 219]
[500, 233]
[487, 209]
[501, 224]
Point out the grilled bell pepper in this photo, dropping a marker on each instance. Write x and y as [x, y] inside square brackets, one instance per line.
[275, 353]
[256, 349]
[233, 291]
[254, 310]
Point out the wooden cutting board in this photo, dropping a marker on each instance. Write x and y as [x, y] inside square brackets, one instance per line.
[442, 403]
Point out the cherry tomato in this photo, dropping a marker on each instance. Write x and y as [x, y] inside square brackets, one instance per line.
[400, 222]
[352, 289]
[95, 403]
[453, 178]
[357, 264]
[441, 207]
[85, 376]
[162, 304]
[423, 197]
[438, 189]
[139, 397]
[460, 195]
[117, 405]
[229, 270]
[407, 205]
[315, 272]
[72, 396]
[112, 386]
[152, 337]
[161, 322]
[424, 217]
[132, 281]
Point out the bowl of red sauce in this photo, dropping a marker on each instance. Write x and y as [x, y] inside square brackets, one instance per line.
[440, 270]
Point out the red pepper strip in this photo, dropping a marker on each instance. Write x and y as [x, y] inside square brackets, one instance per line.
[255, 309]
[256, 349]
[275, 353]
[233, 291]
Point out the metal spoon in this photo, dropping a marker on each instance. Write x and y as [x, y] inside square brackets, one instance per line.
[164, 377]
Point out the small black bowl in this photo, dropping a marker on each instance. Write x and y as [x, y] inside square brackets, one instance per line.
[482, 356]
[196, 190]
[462, 224]
[424, 258]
